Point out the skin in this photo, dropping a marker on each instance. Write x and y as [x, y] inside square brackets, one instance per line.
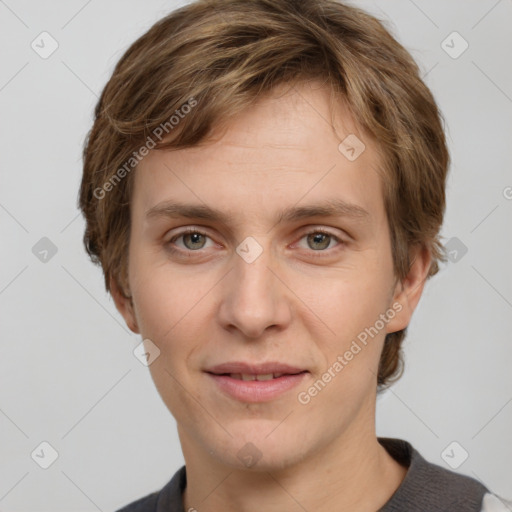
[208, 305]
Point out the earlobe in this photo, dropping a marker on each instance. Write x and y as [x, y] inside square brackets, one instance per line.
[407, 293]
[124, 305]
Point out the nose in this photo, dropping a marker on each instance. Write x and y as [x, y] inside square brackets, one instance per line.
[254, 298]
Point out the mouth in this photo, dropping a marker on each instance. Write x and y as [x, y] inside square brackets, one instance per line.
[255, 382]
[241, 368]
[255, 376]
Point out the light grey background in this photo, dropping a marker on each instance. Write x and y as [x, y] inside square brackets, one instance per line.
[68, 374]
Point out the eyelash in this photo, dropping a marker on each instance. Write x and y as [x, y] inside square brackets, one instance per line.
[188, 231]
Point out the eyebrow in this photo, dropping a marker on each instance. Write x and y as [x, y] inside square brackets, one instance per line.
[329, 208]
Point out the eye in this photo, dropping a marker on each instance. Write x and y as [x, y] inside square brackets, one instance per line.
[193, 240]
[319, 240]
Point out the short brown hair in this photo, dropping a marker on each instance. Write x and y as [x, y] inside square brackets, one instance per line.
[224, 54]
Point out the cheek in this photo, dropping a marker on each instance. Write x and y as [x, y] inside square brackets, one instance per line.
[353, 309]
[165, 298]
[173, 312]
[351, 302]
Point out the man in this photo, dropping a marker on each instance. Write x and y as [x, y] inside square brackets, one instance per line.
[264, 186]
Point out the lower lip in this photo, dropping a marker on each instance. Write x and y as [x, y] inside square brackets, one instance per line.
[257, 390]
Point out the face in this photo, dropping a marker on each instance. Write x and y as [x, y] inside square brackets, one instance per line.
[266, 245]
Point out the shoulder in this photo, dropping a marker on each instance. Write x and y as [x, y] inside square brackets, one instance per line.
[493, 503]
[169, 498]
[429, 487]
[145, 504]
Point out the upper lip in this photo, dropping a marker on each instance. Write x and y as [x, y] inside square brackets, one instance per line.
[254, 369]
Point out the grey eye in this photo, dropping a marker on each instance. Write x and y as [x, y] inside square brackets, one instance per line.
[319, 240]
[195, 240]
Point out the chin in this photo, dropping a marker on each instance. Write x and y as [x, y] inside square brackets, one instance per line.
[259, 451]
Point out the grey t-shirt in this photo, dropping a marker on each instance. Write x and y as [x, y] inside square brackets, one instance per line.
[427, 487]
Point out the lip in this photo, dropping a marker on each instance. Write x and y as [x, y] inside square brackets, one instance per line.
[255, 391]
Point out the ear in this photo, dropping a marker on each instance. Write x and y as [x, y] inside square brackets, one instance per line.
[124, 305]
[407, 292]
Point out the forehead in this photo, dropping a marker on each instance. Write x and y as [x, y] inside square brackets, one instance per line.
[293, 117]
[283, 149]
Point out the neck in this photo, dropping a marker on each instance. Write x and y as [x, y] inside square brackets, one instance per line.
[352, 473]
